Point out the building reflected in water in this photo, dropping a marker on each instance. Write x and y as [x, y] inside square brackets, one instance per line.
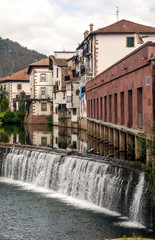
[55, 137]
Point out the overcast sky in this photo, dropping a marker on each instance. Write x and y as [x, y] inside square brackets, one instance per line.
[52, 25]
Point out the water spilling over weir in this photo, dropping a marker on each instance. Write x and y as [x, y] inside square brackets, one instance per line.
[109, 186]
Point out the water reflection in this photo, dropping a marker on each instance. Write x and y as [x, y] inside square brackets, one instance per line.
[59, 138]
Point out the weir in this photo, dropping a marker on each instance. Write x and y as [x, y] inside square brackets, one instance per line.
[111, 186]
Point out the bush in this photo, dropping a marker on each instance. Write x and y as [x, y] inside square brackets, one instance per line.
[1, 116]
[11, 117]
[4, 105]
[50, 119]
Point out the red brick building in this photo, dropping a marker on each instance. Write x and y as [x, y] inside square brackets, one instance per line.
[124, 94]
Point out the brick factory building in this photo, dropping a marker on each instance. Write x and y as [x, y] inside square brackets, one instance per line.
[124, 94]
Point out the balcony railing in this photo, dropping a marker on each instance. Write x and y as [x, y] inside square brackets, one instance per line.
[86, 51]
[46, 96]
[55, 88]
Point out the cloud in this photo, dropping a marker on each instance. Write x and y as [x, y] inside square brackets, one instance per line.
[48, 25]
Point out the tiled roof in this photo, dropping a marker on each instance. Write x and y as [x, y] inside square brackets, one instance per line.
[18, 76]
[42, 63]
[58, 61]
[125, 26]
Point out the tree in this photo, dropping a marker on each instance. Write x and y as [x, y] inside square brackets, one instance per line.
[22, 111]
[4, 105]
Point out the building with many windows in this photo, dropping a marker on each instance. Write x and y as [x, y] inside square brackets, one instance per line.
[102, 48]
[40, 103]
[121, 99]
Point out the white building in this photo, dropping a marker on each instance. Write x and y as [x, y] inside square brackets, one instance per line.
[103, 47]
[72, 93]
[58, 64]
[16, 85]
[41, 81]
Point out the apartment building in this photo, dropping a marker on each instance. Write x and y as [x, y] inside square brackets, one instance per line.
[40, 103]
[58, 65]
[102, 48]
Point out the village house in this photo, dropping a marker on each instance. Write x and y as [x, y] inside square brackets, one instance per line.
[72, 94]
[102, 48]
[121, 99]
[16, 86]
[58, 65]
[40, 102]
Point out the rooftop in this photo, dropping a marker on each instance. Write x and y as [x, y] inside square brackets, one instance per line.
[58, 61]
[20, 76]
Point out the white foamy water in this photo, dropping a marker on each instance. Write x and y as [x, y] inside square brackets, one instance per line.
[74, 180]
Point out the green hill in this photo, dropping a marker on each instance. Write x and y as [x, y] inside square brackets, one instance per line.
[14, 57]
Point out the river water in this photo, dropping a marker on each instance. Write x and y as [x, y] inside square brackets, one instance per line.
[30, 213]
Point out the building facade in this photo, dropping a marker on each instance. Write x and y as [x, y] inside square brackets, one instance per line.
[58, 65]
[40, 103]
[123, 96]
[16, 86]
[103, 47]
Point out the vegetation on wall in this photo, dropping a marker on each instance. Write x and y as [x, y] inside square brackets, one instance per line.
[49, 119]
[22, 110]
[147, 144]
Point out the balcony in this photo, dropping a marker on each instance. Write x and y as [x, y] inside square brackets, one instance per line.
[77, 75]
[46, 96]
[86, 52]
[83, 70]
[55, 88]
[89, 76]
[67, 78]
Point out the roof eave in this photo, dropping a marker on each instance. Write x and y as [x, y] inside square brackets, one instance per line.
[33, 66]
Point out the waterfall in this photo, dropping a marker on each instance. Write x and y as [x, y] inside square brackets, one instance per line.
[135, 212]
[112, 187]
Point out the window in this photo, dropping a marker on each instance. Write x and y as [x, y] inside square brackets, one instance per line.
[43, 77]
[43, 141]
[19, 86]
[101, 108]
[115, 107]
[57, 72]
[148, 81]
[122, 106]
[110, 108]
[140, 107]
[43, 92]
[63, 95]
[105, 108]
[43, 106]
[130, 108]
[74, 111]
[130, 42]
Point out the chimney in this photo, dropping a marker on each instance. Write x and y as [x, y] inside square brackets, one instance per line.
[91, 27]
[86, 33]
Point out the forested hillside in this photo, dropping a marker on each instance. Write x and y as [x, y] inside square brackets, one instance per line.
[14, 57]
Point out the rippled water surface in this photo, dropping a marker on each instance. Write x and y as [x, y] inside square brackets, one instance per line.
[26, 214]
